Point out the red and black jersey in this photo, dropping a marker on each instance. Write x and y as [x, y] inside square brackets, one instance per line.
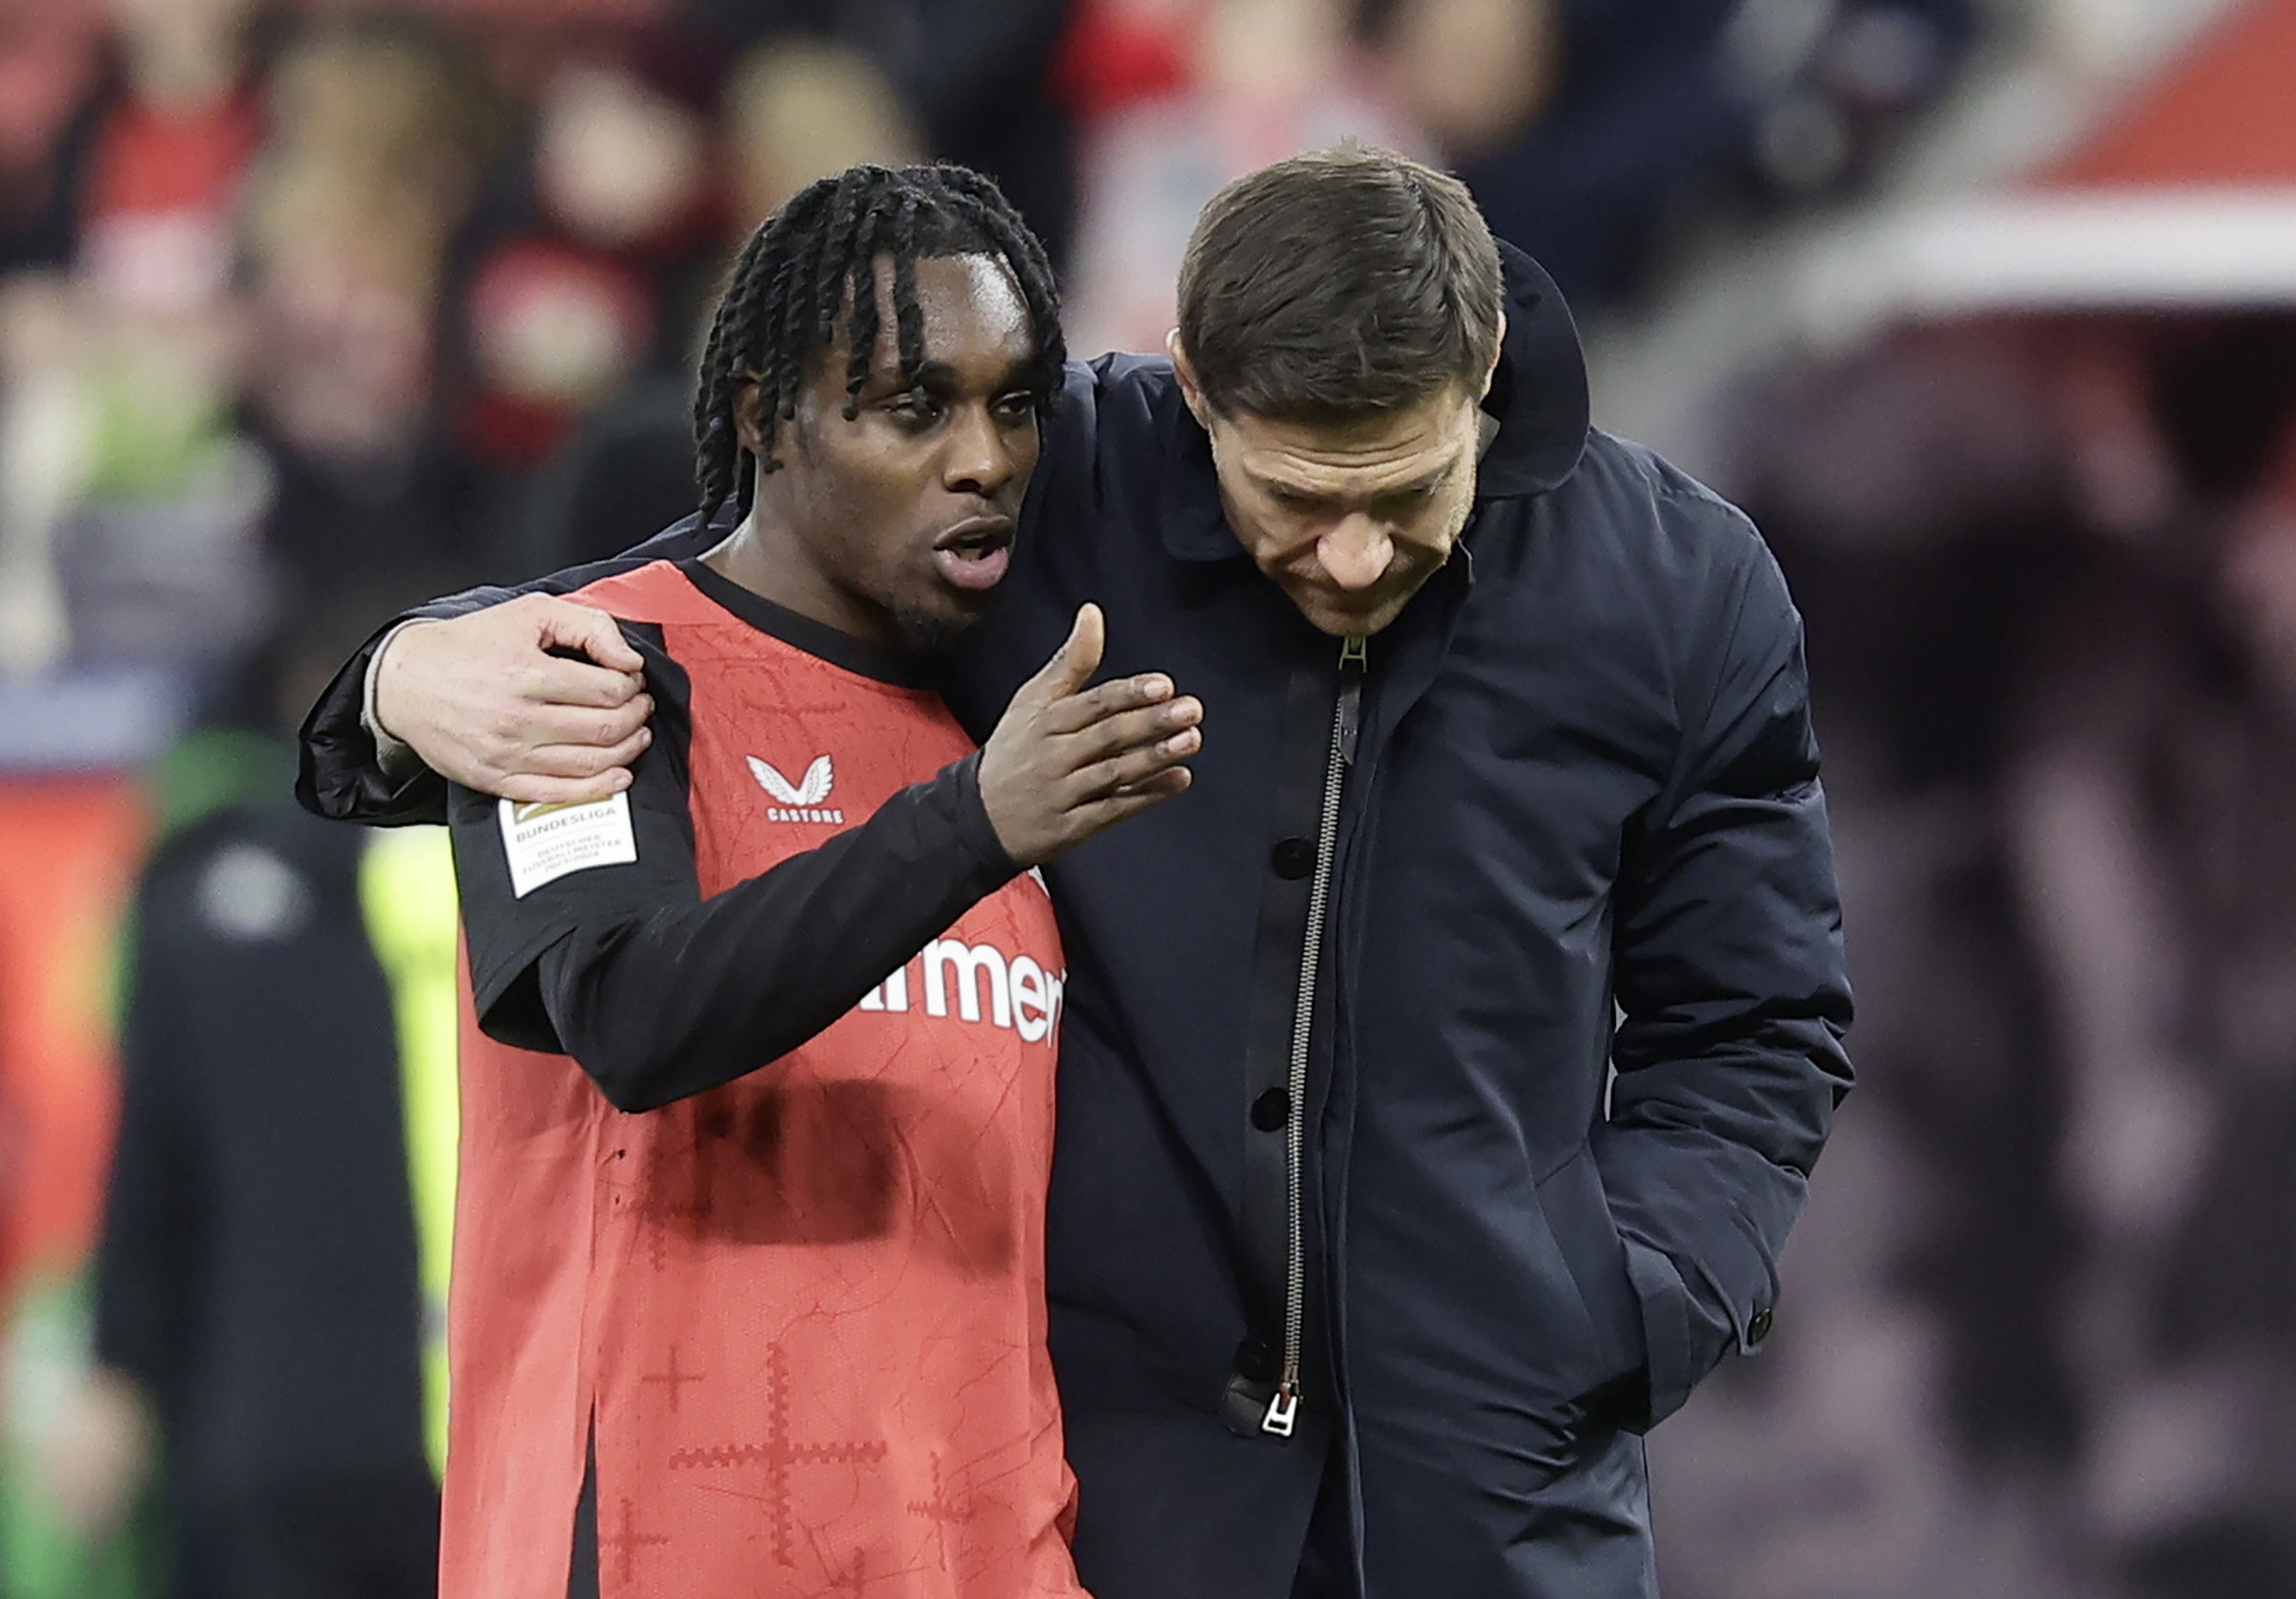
[799, 1303]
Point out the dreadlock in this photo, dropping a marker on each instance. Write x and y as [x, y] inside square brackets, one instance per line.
[813, 261]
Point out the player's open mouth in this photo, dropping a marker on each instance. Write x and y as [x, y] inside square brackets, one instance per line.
[974, 554]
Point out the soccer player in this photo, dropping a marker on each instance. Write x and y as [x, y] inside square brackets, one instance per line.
[768, 1251]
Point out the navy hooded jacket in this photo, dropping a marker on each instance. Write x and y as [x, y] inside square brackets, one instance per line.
[1512, 949]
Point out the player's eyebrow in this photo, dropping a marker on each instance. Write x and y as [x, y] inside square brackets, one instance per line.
[891, 377]
[941, 377]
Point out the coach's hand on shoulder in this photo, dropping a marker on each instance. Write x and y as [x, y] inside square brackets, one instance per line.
[484, 701]
[1065, 761]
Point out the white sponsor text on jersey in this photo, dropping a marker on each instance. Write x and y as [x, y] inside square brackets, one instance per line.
[983, 985]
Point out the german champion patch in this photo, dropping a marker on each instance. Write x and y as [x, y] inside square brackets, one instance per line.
[544, 843]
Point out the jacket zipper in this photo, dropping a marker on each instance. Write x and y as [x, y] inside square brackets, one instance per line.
[1283, 1410]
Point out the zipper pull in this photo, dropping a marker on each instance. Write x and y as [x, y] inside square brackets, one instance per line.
[1353, 660]
[1282, 1411]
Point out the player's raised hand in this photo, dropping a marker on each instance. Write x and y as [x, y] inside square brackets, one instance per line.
[483, 702]
[1067, 760]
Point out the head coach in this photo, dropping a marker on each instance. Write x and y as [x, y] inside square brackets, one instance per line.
[1442, 1074]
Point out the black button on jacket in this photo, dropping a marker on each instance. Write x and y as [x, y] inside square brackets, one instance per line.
[1575, 1036]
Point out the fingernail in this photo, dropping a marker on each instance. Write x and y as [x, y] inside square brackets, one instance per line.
[1180, 743]
[1184, 714]
[1155, 688]
[645, 735]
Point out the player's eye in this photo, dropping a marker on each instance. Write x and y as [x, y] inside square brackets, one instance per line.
[913, 407]
[1016, 407]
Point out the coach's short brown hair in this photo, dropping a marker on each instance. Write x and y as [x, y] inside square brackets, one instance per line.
[1338, 284]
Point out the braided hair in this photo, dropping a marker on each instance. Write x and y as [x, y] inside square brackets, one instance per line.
[813, 261]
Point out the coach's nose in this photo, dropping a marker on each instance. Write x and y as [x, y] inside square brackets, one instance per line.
[1356, 553]
[980, 458]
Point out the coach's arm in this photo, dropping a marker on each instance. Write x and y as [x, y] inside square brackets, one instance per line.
[529, 727]
[1728, 974]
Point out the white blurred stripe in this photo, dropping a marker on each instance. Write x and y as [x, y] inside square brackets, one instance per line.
[2166, 249]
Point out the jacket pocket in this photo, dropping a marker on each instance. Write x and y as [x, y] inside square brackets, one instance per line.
[1602, 1270]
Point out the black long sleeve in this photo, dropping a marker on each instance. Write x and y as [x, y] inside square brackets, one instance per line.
[658, 992]
[685, 998]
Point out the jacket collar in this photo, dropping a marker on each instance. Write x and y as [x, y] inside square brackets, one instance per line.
[1538, 396]
[1538, 393]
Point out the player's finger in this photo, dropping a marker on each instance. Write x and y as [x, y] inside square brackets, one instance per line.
[1134, 768]
[1164, 785]
[1167, 783]
[537, 727]
[566, 623]
[526, 788]
[557, 680]
[1073, 713]
[580, 760]
[1100, 815]
[1074, 662]
[1129, 729]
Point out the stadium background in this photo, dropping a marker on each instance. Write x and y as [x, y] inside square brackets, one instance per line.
[1983, 307]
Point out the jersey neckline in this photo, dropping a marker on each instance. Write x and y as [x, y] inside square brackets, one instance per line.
[879, 662]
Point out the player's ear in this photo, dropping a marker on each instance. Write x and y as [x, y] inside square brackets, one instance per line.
[1189, 390]
[746, 427]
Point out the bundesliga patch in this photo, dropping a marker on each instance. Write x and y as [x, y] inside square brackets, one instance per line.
[544, 843]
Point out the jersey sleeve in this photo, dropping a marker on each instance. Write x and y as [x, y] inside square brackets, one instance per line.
[532, 875]
[591, 937]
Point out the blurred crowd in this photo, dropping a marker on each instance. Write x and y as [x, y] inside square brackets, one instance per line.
[298, 301]
[2046, 1338]
[311, 310]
